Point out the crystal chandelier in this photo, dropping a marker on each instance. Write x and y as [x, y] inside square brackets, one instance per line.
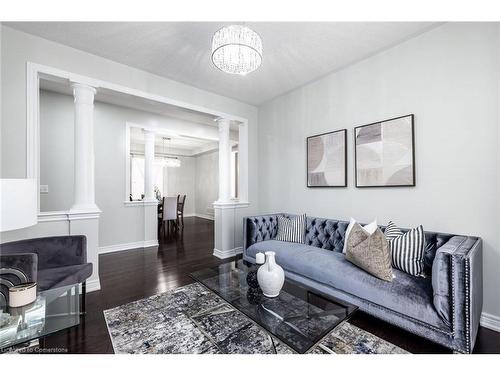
[236, 49]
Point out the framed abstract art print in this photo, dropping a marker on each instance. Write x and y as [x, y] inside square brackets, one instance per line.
[384, 153]
[327, 159]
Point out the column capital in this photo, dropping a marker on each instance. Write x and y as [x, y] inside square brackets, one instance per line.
[148, 132]
[82, 86]
[222, 121]
[83, 93]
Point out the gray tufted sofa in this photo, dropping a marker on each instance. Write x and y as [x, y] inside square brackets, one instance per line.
[444, 307]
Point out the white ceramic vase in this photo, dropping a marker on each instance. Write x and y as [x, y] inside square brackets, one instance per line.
[270, 276]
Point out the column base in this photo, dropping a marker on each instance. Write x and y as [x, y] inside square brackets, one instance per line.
[224, 254]
[224, 232]
[84, 208]
[87, 224]
[230, 204]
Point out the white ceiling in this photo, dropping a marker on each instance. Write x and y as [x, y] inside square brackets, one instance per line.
[295, 53]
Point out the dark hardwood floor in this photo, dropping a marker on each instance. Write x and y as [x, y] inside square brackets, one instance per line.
[134, 274]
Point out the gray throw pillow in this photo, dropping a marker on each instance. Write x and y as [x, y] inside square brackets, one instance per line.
[370, 252]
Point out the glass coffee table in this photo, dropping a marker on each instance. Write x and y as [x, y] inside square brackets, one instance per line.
[299, 317]
[54, 310]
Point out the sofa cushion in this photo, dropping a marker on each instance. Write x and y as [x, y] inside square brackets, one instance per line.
[51, 278]
[407, 295]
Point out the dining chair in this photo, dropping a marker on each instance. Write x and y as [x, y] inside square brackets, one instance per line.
[181, 200]
[170, 212]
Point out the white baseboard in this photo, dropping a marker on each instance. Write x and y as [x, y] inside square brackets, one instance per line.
[127, 246]
[203, 216]
[223, 254]
[490, 321]
[93, 285]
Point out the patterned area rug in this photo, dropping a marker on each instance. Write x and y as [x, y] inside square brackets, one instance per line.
[192, 319]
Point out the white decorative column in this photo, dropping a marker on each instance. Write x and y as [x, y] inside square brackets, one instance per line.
[149, 158]
[84, 188]
[150, 201]
[84, 214]
[224, 207]
[224, 161]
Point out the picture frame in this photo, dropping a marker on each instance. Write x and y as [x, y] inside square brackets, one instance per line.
[384, 153]
[326, 159]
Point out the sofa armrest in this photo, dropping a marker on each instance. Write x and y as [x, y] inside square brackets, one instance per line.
[457, 286]
[52, 251]
[473, 258]
[259, 228]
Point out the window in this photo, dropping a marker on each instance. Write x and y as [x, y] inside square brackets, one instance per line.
[137, 177]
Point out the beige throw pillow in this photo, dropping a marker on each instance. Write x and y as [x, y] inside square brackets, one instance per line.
[370, 252]
[370, 228]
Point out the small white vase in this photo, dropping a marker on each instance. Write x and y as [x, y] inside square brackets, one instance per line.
[270, 276]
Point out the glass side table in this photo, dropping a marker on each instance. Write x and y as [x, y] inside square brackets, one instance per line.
[54, 310]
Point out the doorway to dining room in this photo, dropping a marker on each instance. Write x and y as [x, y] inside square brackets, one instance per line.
[185, 170]
[79, 151]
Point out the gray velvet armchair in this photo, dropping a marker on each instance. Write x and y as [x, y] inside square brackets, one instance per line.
[50, 261]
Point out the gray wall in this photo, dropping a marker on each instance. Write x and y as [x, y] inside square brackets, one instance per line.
[56, 151]
[207, 182]
[449, 78]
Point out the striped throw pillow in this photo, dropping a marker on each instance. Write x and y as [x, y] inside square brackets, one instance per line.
[291, 230]
[407, 249]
